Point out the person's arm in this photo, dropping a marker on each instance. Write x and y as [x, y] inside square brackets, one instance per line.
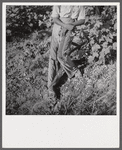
[81, 18]
[56, 18]
[59, 22]
[78, 22]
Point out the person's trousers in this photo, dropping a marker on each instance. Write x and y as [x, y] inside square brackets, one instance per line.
[53, 60]
[59, 57]
[63, 56]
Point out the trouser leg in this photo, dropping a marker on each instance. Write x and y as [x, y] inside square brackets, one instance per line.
[63, 58]
[53, 62]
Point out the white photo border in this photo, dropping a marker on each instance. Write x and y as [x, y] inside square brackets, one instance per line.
[59, 131]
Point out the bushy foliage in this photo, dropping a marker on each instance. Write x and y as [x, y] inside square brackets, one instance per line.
[93, 93]
[23, 20]
[101, 31]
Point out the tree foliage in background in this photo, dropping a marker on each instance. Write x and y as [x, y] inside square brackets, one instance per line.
[102, 33]
[23, 20]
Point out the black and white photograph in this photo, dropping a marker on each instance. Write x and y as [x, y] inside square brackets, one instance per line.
[61, 59]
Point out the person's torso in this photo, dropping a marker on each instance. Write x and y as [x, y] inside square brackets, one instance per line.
[69, 11]
[67, 15]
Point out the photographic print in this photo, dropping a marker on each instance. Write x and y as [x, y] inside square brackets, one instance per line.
[55, 69]
[60, 68]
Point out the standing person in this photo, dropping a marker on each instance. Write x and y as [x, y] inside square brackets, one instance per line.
[65, 19]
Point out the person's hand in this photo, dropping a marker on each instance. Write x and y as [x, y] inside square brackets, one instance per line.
[69, 26]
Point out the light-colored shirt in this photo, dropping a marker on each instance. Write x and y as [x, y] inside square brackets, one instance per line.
[69, 11]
